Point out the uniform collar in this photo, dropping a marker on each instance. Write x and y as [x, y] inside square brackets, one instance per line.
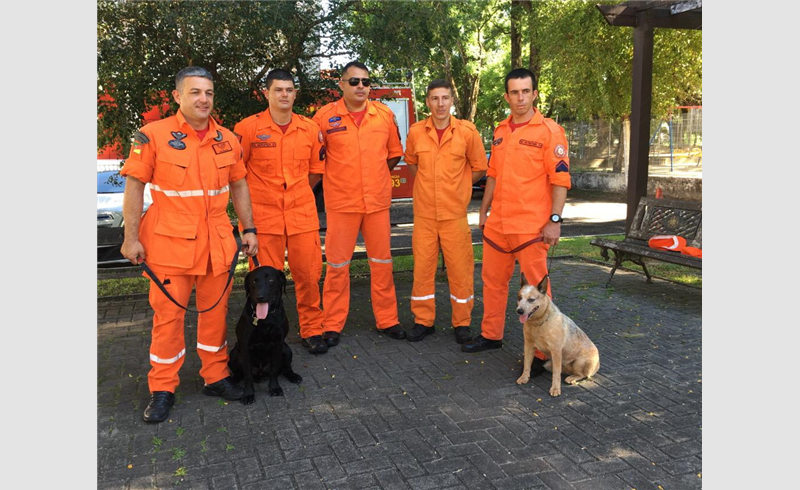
[429, 123]
[266, 121]
[212, 124]
[537, 118]
[341, 108]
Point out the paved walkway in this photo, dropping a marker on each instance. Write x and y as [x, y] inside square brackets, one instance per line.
[375, 413]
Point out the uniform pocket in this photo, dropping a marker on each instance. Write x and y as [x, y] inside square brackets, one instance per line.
[301, 160]
[265, 159]
[171, 167]
[174, 241]
[223, 163]
[225, 231]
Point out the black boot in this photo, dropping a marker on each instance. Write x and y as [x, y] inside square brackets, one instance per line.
[158, 408]
[224, 388]
[481, 343]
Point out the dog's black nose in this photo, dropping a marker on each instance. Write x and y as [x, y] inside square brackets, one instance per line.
[520, 311]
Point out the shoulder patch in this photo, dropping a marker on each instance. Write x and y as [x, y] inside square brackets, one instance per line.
[141, 138]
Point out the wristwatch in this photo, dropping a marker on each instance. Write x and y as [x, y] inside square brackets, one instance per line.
[556, 218]
[249, 230]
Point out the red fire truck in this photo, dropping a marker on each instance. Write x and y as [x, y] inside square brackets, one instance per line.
[399, 100]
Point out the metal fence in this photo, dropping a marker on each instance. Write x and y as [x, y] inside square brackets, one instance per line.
[676, 144]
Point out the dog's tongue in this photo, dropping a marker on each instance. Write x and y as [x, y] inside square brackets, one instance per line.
[524, 318]
[262, 310]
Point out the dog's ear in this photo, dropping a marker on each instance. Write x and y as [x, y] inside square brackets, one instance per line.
[542, 287]
[523, 280]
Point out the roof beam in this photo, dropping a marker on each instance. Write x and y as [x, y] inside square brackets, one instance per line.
[679, 15]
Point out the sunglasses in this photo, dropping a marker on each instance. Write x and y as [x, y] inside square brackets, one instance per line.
[354, 81]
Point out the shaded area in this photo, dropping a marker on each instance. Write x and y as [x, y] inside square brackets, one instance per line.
[379, 413]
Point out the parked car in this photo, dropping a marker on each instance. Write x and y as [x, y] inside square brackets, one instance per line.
[480, 185]
[110, 224]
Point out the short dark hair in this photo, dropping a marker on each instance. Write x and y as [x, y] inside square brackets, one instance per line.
[357, 64]
[279, 74]
[439, 83]
[521, 73]
[191, 71]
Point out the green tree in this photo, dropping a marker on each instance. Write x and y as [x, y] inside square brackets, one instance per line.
[142, 45]
[450, 40]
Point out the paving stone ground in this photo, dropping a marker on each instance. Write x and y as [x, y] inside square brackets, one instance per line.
[376, 413]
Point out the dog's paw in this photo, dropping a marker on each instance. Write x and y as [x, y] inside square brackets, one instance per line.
[294, 378]
[248, 399]
[276, 391]
[523, 380]
[573, 380]
[555, 390]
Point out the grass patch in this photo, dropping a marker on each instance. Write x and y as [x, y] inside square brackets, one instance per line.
[577, 247]
[581, 247]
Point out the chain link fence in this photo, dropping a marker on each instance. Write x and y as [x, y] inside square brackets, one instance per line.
[676, 144]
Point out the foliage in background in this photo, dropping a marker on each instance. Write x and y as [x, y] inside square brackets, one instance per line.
[450, 40]
[584, 64]
[142, 45]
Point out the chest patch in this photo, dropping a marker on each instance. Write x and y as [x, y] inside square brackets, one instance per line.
[266, 144]
[177, 143]
[535, 144]
[497, 141]
[223, 147]
[336, 130]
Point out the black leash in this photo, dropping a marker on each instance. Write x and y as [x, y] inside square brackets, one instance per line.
[160, 285]
[522, 247]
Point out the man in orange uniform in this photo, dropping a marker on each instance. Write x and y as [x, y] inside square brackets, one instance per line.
[526, 187]
[446, 156]
[363, 145]
[284, 156]
[193, 166]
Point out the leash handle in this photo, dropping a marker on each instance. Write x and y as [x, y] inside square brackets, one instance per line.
[160, 284]
[521, 247]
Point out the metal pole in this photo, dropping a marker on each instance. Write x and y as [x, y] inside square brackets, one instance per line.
[670, 142]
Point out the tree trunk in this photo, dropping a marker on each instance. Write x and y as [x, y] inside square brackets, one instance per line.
[469, 98]
[516, 33]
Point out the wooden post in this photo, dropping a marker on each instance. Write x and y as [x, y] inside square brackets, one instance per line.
[641, 101]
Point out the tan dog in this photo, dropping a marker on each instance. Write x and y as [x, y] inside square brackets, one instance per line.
[554, 333]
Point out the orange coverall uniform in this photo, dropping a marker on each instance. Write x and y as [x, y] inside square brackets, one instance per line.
[526, 163]
[284, 211]
[442, 191]
[358, 192]
[188, 239]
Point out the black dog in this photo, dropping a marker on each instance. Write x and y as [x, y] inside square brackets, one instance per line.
[261, 350]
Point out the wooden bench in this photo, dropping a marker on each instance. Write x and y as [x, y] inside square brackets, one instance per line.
[657, 217]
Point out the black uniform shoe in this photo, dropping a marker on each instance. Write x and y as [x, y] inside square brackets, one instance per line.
[419, 332]
[224, 388]
[316, 344]
[480, 343]
[158, 408]
[331, 338]
[537, 367]
[396, 332]
[463, 334]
